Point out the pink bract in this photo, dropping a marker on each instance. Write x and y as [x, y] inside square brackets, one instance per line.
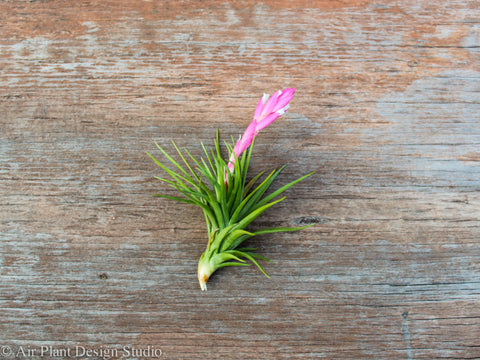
[267, 111]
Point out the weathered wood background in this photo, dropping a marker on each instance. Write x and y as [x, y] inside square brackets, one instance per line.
[386, 112]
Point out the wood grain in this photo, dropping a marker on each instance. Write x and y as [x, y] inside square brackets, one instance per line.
[386, 113]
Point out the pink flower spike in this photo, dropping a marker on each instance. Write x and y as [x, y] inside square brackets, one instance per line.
[267, 111]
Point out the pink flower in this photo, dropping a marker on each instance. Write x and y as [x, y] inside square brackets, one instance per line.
[267, 111]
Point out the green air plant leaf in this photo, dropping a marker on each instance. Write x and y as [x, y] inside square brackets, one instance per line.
[228, 207]
[220, 188]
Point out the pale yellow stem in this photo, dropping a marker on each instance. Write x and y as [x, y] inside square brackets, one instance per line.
[204, 272]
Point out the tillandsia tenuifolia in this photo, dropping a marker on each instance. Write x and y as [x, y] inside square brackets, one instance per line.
[220, 188]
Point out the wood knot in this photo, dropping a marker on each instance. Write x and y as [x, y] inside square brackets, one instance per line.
[103, 276]
[307, 220]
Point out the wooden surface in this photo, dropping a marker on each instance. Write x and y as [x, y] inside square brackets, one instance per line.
[386, 112]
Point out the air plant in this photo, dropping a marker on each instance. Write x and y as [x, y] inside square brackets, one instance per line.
[220, 188]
